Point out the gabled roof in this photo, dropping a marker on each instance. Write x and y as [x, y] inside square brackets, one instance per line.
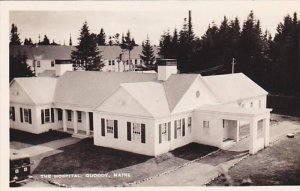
[151, 95]
[39, 89]
[232, 87]
[176, 86]
[43, 52]
[89, 89]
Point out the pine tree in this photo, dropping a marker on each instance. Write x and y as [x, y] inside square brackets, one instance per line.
[45, 41]
[70, 41]
[101, 38]
[18, 67]
[165, 46]
[28, 41]
[147, 53]
[14, 36]
[128, 44]
[87, 55]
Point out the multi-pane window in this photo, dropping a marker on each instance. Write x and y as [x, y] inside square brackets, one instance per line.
[79, 117]
[60, 115]
[164, 135]
[52, 63]
[26, 115]
[38, 63]
[136, 132]
[109, 62]
[69, 115]
[12, 113]
[178, 127]
[113, 62]
[190, 124]
[47, 115]
[110, 126]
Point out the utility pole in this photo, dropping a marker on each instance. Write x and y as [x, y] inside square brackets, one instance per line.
[233, 63]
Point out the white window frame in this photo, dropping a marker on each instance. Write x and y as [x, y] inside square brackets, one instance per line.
[136, 132]
[11, 113]
[79, 116]
[26, 115]
[47, 117]
[52, 63]
[206, 127]
[110, 128]
[69, 115]
[38, 63]
[190, 124]
[164, 132]
[179, 128]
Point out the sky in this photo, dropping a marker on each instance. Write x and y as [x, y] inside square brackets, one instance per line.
[142, 18]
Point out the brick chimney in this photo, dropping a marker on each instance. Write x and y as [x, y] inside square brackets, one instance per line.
[166, 67]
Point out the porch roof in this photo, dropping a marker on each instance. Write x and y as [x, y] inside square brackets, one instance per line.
[233, 110]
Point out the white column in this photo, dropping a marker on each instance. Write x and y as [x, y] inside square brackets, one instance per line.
[64, 119]
[253, 137]
[87, 127]
[237, 131]
[75, 122]
[266, 129]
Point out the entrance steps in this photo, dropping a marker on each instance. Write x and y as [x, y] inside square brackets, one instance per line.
[81, 136]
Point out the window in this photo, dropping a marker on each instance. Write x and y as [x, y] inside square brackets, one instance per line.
[52, 63]
[113, 62]
[38, 64]
[47, 115]
[79, 117]
[259, 103]
[177, 127]
[110, 126]
[141, 61]
[12, 113]
[206, 127]
[251, 104]
[135, 61]
[126, 62]
[26, 115]
[60, 115]
[109, 62]
[190, 124]
[69, 115]
[136, 132]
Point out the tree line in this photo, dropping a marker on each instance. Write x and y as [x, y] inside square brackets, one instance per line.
[273, 63]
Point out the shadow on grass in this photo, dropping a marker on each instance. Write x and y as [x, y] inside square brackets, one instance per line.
[193, 151]
[36, 139]
[85, 157]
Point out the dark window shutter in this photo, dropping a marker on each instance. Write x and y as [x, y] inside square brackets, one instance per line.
[29, 116]
[13, 114]
[21, 114]
[175, 130]
[115, 129]
[42, 116]
[102, 127]
[183, 127]
[159, 133]
[128, 131]
[143, 132]
[169, 131]
[52, 115]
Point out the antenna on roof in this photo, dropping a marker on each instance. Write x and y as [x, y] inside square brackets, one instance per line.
[233, 63]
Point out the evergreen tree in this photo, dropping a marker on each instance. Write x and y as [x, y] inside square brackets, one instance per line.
[18, 67]
[45, 41]
[70, 41]
[87, 55]
[54, 43]
[116, 39]
[128, 44]
[110, 42]
[14, 36]
[101, 38]
[28, 41]
[147, 53]
[165, 46]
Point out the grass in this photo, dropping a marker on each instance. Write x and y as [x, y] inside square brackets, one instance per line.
[86, 158]
[275, 165]
[33, 139]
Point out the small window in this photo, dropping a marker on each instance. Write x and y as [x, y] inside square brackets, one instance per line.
[113, 62]
[164, 134]
[12, 113]
[110, 127]
[251, 104]
[197, 94]
[136, 132]
[60, 115]
[38, 64]
[52, 63]
[178, 127]
[126, 62]
[190, 124]
[47, 115]
[26, 115]
[109, 62]
[69, 115]
[206, 127]
[79, 117]
[135, 61]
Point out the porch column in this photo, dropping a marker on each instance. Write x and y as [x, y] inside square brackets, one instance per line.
[87, 120]
[253, 136]
[64, 112]
[237, 136]
[75, 122]
[266, 129]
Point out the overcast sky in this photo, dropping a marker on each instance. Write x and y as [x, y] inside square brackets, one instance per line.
[142, 18]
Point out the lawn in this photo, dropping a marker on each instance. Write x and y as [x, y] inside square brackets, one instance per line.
[85, 158]
[275, 165]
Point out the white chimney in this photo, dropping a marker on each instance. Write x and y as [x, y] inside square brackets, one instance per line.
[61, 66]
[166, 67]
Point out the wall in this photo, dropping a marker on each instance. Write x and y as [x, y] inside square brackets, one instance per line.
[121, 142]
[45, 65]
[164, 72]
[214, 135]
[60, 69]
[114, 68]
[47, 126]
[166, 146]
